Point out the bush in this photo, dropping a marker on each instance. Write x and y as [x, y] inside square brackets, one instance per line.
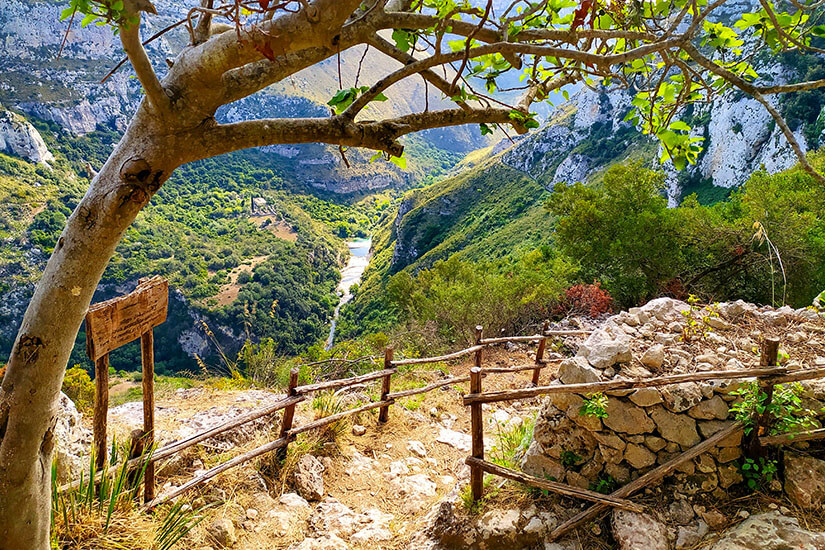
[590, 300]
[78, 386]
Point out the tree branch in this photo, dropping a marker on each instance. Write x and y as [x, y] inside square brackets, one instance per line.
[339, 130]
[388, 49]
[130, 38]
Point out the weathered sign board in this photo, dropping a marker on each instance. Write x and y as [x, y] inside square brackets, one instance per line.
[118, 321]
[111, 324]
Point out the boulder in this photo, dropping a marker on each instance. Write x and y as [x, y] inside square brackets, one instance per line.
[603, 350]
[654, 357]
[577, 370]
[309, 478]
[805, 480]
[332, 518]
[414, 492]
[666, 310]
[627, 418]
[635, 531]
[536, 463]
[770, 531]
[72, 441]
[678, 428]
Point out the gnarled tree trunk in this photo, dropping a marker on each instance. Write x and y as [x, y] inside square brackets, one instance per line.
[142, 161]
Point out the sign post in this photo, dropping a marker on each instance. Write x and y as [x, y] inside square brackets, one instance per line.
[111, 324]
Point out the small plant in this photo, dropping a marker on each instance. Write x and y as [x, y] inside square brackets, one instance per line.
[512, 441]
[595, 404]
[101, 514]
[785, 412]
[604, 485]
[466, 495]
[571, 460]
[758, 473]
[696, 325]
[327, 404]
[79, 388]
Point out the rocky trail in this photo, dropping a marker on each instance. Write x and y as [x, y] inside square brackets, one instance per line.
[399, 485]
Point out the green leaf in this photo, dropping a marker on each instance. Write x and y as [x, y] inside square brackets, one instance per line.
[485, 130]
[88, 19]
[376, 156]
[680, 125]
[65, 14]
[403, 39]
[401, 161]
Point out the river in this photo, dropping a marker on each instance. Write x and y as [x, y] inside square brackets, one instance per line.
[358, 260]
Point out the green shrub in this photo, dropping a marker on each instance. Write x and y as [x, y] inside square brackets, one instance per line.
[78, 386]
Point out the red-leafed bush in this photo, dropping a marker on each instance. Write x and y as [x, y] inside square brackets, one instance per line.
[591, 300]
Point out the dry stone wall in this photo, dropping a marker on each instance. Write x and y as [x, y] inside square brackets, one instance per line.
[647, 427]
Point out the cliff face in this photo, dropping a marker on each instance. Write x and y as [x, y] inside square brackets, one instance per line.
[20, 138]
[588, 134]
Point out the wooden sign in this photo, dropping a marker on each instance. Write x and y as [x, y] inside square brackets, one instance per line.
[118, 321]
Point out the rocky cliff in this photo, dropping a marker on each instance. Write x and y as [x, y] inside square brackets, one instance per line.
[18, 137]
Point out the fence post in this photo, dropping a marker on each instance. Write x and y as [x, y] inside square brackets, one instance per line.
[289, 413]
[101, 409]
[769, 357]
[147, 354]
[384, 412]
[540, 353]
[477, 429]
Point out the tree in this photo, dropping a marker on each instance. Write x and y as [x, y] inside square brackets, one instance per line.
[670, 52]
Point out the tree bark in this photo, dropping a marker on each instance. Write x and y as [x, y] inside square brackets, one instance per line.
[29, 394]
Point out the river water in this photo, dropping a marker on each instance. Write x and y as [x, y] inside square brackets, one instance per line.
[359, 259]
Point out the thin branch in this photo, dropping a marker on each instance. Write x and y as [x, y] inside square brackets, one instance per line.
[130, 38]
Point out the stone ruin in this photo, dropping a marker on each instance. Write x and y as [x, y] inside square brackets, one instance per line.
[646, 427]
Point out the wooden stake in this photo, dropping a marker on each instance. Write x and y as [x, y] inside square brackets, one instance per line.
[540, 354]
[477, 429]
[289, 414]
[147, 348]
[384, 412]
[769, 358]
[101, 409]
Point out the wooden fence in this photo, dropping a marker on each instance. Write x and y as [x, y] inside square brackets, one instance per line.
[295, 395]
[767, 374]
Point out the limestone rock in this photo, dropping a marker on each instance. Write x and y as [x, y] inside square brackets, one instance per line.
[72, 440]
[536, 463]
[414, 491]
[293, 500]
[654, 357]
[681, 397]
[678, 428]
[646, 397]
[309, 478]
[681, 512]
[634, 531]
[666, 310]
[707, 429]
[458, 440]
[603, 350]
[334, 518]
[627, 418]
[770, 531]
[714, 408]
[638, 456]
[358, 429]
[328, 542]
[222, 532]
[416, 447]
[577, 370]
[688, 536]
[805, 480]
[20, 138]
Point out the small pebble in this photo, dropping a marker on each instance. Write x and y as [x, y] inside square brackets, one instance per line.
[744, 514]
[359, 430]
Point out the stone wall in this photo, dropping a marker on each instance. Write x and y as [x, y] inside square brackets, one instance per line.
[647, 427]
